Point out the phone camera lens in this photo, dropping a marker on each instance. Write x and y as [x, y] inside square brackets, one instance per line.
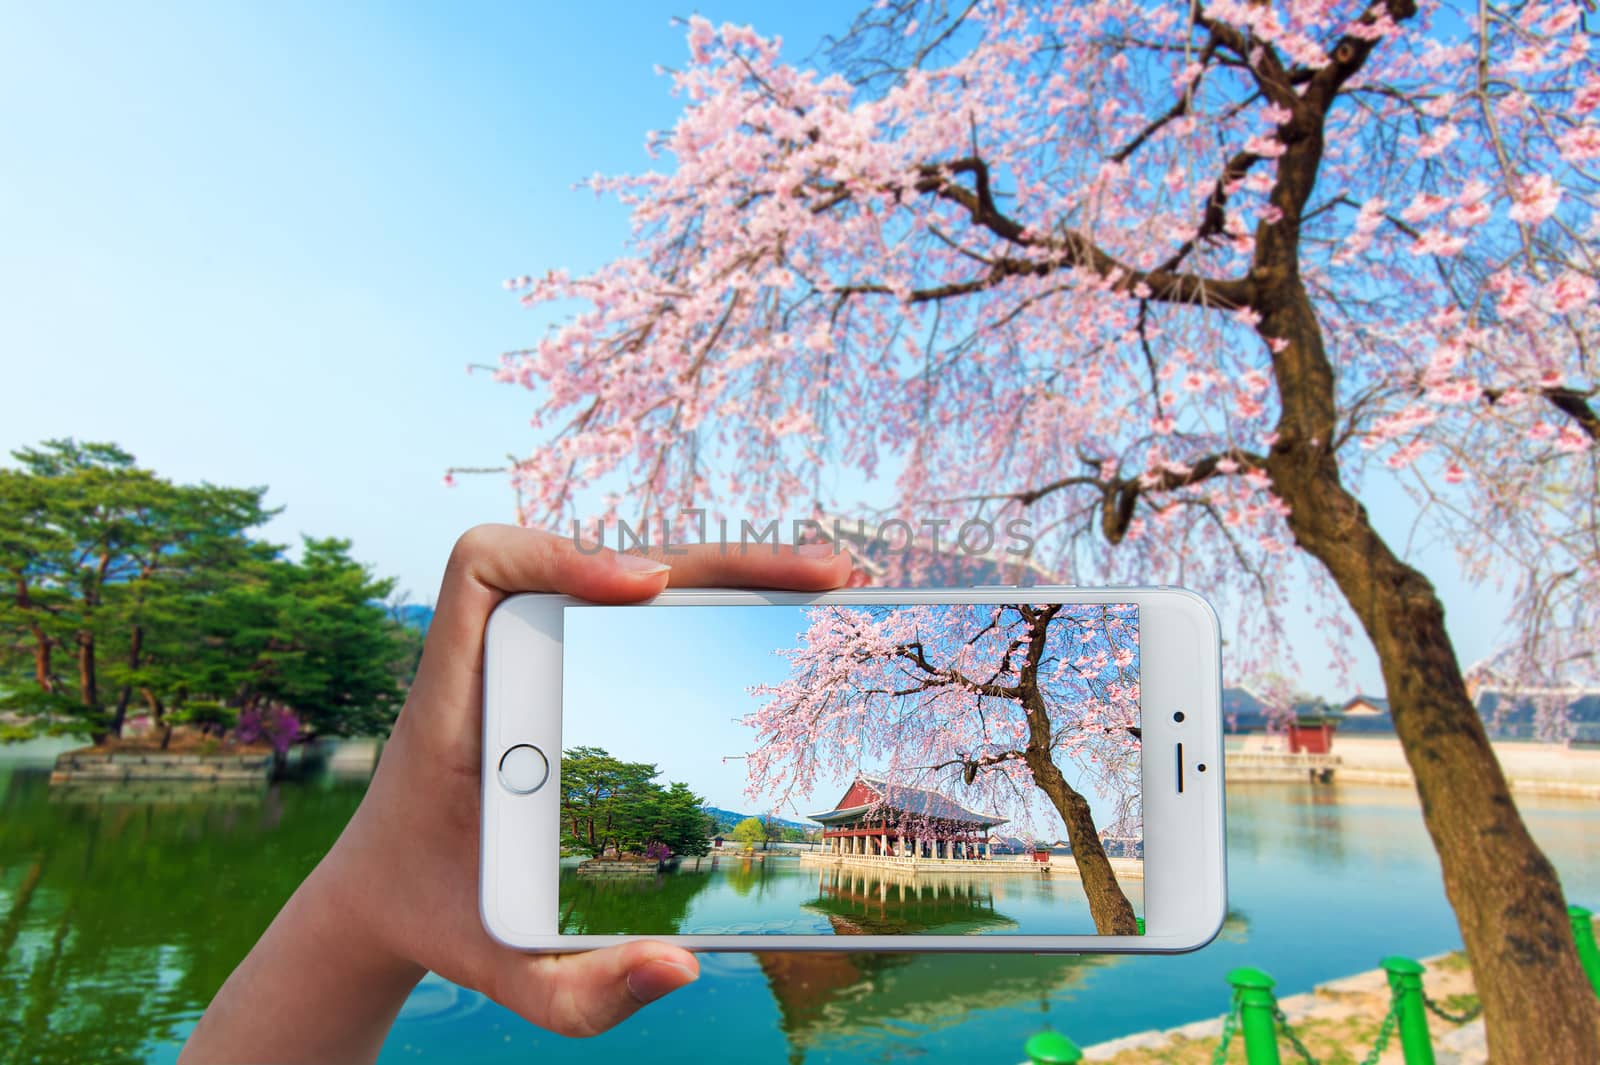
[1178, 716]
[1201, 767]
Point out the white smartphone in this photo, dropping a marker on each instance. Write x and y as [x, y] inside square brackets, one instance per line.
[983, 769]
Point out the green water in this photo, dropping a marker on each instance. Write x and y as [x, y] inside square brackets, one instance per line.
[118, 922]
[787, 896]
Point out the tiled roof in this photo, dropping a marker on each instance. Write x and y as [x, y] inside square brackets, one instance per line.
[918, 802]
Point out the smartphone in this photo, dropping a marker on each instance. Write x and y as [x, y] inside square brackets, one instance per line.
[986, 769]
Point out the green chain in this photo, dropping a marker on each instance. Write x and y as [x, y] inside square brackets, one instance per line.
[1230, 1025]
[1294, 1039]
[1391, 1020]
[1384, 1032]
[1454, 1018]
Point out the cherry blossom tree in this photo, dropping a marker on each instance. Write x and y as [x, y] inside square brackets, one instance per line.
[1180, 283]
[995, 698]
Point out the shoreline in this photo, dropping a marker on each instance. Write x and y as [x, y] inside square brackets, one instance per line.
[1531, 768]
[1341, 1015]
[1006, 867]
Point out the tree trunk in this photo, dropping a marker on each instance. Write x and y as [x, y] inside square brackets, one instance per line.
[1113, 913]
[21, 899]
[41, 660]
[42, 644]
[1538, 1007]
[88, 684]
[88, 677]
[135, 648]
[158, 716]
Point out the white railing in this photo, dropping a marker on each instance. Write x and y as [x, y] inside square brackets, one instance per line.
[1282, 759]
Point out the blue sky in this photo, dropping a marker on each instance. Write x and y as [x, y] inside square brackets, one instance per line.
[258, 245]
[649, 686]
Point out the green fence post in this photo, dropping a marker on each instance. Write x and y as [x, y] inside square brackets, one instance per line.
[1405, 983]
[1257, 1015]
[1052, 1048]
[1588, 953]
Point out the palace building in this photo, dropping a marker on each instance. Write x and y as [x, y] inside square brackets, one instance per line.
[898, 822]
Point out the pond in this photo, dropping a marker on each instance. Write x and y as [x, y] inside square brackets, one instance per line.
[118, 922]
[776, 894]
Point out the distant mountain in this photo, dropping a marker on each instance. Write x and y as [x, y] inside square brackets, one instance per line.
[726, 819]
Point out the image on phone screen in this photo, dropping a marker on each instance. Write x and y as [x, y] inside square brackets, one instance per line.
[937, 769]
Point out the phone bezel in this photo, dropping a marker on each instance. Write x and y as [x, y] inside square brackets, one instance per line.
[1185, 884]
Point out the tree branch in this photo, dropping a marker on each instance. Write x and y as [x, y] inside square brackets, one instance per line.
[1070, 249]
[1179, 108]
[914, 653]
[1119, 497]
[1348, 56]
[1569, 401]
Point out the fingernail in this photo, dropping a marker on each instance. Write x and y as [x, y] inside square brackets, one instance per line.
[653, 979]
[823, 550]
[639, 564]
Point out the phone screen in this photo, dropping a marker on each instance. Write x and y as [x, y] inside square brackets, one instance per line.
[944, 769]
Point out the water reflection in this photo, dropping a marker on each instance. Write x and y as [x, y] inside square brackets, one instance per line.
[850, 999]
[869, 902]
[1308, 823]
[656, 903]
[119, 922]
[788, 896]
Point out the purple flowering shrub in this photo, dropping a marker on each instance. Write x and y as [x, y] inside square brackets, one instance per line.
[276, 725]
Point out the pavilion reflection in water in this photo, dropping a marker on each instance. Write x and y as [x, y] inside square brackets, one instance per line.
[888, 902]
[827, 997]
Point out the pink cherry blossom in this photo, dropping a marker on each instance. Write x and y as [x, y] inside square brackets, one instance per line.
[949, 282]
[1424, 206]
[1581, 143]
[945, 698]
[1573, 291]
[1266, 146]
[1437, 140]
[1572, 439]
[1535, 198]
[1471, 215]
[1438, 242]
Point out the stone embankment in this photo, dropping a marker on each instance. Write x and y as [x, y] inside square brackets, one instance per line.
[619, 867]
[1011, 865]
[1532, 768]
[95, 773]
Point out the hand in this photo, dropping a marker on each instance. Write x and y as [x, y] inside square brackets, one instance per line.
[398, 893]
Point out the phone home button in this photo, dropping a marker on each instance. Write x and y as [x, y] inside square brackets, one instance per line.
[524, 769]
